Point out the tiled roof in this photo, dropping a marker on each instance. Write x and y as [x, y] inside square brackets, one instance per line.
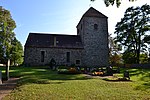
[47, 41]
[92, 12]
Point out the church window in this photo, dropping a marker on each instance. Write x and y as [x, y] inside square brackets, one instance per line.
[95, 26]
[42, 56]
[68, 56]
[77, 62]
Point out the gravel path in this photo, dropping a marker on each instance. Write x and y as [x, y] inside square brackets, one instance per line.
[7, 87]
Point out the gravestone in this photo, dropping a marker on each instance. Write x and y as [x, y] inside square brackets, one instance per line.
[109, 71]
[53, 64]
[0, 77]
[126, 74]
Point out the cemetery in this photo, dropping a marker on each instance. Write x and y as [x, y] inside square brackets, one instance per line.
[37, 81]
[96, 63]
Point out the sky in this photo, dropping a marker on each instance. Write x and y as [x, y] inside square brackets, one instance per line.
[59, 16]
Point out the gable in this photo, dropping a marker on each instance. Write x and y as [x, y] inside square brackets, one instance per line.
[92, 12]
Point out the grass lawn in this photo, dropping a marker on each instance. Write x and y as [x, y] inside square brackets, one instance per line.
[44, 84]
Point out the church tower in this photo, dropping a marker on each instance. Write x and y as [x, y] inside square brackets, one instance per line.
[93, 30]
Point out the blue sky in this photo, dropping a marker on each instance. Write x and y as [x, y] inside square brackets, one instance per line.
[59, 16]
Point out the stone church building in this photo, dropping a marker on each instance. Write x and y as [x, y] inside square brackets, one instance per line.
[88, 48]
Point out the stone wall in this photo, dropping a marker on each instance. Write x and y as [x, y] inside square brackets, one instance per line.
[95, 41]
[33, 56]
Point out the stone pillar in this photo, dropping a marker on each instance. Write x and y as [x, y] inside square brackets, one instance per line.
[0, 77]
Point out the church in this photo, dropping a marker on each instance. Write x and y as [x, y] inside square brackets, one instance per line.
[89, 48]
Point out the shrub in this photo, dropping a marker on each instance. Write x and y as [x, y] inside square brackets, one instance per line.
[98, 73]
[67, 70]
[63, 67]
[72, 69]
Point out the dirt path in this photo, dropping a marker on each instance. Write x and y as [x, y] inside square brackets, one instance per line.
[7, 87]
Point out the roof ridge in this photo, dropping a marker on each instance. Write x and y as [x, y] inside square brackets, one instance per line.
[53, 34]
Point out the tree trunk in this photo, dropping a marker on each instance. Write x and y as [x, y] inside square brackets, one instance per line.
[139, 48]
[0, 77]
[138, 56]
[7, 69]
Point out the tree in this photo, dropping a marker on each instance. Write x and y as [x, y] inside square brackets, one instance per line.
[114, 56]
[147, 40]
[131, 30]
[111, 2]
[115, 59]
[144, 58]
[17, 52]
[128, 57]
[7, 25]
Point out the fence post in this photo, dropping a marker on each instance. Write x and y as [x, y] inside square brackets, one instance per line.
[0, 77]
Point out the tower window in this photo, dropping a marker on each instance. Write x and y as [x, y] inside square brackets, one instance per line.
[95, 26]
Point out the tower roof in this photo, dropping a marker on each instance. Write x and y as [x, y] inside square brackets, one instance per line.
[92, 12]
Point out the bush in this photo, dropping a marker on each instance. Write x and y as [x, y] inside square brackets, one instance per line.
[98, 73]
[67, 70]
[63, 67]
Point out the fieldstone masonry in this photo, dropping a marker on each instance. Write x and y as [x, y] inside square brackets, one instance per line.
[88, 48]
[94, 39]
[59, 55]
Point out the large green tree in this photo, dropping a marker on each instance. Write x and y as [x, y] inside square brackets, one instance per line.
[17, 52]
[114, 55]
[147, 40]
[132, 29]
[7, 25]
[112, 2]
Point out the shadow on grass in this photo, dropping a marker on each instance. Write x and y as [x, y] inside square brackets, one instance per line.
[117, 80]
[144, 86]
[142, 77]
[145, 81]
[41, 75]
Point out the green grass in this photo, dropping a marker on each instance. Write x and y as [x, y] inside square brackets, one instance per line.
[44, 84]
